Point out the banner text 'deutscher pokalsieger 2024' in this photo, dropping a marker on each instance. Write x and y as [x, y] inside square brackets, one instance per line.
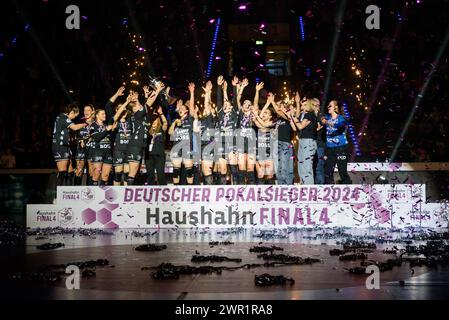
[240, 206]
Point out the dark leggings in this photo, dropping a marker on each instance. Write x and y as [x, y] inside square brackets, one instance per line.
[156, 162]
[337, 156]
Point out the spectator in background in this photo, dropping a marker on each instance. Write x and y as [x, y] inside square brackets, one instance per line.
[7, 159]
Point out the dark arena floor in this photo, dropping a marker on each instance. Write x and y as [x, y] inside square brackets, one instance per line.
[416, 262]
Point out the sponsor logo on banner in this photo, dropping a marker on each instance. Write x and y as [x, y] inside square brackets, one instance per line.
[398, 195]
[87, 194]
[417, 191]
[66, 216]
[45, 216]
[263, 216]
[239, 206]
[71, 195]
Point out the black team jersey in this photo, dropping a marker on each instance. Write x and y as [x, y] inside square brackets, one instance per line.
[207, 129]
[185, 131]
[61, 132]
[122, 135]
[139, 135]
[284, 130]
[84, 134]
[101, 138]
[228, 122]
[245, 123]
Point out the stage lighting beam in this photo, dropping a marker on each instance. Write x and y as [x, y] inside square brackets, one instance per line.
[333, 51]
[421, 94]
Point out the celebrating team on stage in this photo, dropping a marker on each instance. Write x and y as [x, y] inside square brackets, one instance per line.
[215, 142]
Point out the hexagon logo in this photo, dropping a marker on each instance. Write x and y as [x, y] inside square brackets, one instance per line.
[104, 216]
[88, 216]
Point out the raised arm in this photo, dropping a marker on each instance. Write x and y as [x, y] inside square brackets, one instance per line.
[122, 108]
[192, 99]
[259, 87]
[277, 107]
[151, 96]
[108, 107]
[259, 122]
[255, 112]
[225, 91]
[239, 97]
[119, 111]
[235, 84]
[240, 88]
[279, 111]
[163, 119]
[267, 104]
[298, 104]
[207, 98]
[220, 82]
[291, 119]
[146, 91]
[120, 92]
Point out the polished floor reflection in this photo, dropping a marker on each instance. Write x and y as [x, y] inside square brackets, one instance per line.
[124, 278]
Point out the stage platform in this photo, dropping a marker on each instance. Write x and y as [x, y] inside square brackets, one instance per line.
[19, 187]
[275, 206]
[305, 221]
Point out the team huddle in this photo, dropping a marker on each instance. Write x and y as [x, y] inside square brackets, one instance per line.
[227, 142]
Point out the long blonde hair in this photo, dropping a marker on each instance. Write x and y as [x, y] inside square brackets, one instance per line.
[309, 105]
[158, 128]
[316, 106]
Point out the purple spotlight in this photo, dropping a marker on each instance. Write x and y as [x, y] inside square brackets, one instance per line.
[211, 21]
[242, 7]
[141, 49]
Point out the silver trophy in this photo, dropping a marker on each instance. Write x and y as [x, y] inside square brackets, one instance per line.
[165, 93]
